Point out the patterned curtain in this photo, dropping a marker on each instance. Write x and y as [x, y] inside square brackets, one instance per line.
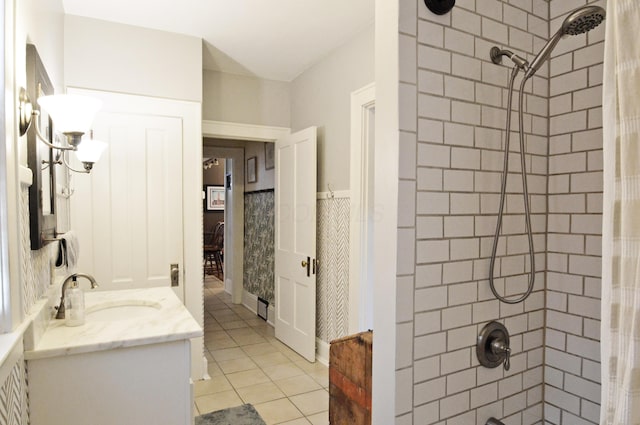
[621, 217]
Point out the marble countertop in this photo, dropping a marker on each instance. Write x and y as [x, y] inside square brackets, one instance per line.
[166, 320]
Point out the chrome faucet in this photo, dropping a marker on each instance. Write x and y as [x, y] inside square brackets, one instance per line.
[73, 278]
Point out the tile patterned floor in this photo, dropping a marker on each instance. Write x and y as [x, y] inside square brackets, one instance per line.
[248, 365]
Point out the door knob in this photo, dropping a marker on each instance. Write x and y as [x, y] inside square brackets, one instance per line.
[306, 264]
[175, 274]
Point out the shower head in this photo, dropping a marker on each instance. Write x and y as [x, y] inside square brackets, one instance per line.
[577, 22]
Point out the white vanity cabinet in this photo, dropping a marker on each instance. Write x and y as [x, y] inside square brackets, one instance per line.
[124, 371]
[147, 384]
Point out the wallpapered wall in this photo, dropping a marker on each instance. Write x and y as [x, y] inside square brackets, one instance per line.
[35, 264]
[14, 409]
[36, 277]
[259, 244]
[332, 313]
[332, 305]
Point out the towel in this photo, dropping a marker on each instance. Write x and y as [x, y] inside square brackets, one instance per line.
[68, 251]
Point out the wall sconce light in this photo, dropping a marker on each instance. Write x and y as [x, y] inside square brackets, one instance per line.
[210, 163]
[72, 115]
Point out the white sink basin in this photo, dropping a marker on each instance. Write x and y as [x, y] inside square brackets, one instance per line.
[122, 310]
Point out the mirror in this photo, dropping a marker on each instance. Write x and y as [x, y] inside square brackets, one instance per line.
[40, 158]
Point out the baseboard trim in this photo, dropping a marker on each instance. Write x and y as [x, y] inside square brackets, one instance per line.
[250, 301]
[322, 351]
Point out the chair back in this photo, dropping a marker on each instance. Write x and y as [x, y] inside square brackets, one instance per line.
[218, 236]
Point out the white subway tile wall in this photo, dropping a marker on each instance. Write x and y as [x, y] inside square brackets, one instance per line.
[572, 348]
[452, 117]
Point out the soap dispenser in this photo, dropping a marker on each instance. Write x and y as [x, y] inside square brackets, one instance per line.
[74, 304]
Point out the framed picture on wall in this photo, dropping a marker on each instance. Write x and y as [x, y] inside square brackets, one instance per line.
[269, 156]
[251, 170]
[214, 200]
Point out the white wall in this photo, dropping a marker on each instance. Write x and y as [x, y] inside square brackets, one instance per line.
[238, 98]
[122, 58]
[321, 96]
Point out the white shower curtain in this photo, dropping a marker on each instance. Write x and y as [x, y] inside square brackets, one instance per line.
[621, 217]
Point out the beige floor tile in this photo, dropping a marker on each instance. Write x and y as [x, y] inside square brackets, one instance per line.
[321, 377]
[247, 377]
[254, 322]
[222, 320]
[213, 369]
[321, 418]
[282, 371]
[259, 349]
[220, 344]
[235, 324]
[232, 333]
[216, 335]
[292, 355]
[246, 314]
[311, 403]
[298, 385]
[237, 365]
[265, 329]
[249, 340]
[299, 421]
[260, 393]
[214, 326]
[208, 356]
[309, 367]
[279, 345]
[271, 359]
[228, 354]
[278, 411]
[221, 312]
[222, 400]
[214, 385]
[246, 331]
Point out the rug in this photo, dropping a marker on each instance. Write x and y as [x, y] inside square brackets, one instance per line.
[239, 415]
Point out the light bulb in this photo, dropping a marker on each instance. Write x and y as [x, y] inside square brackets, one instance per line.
[70, 113]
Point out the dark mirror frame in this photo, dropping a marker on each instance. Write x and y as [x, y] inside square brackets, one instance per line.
[42, 225]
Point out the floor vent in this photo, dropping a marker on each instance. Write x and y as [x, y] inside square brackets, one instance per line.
[263, 308]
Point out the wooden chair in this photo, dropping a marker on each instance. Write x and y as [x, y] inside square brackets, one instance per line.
[214, 251]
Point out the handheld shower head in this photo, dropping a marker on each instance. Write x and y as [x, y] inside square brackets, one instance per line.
[577, 22]
[582, 20]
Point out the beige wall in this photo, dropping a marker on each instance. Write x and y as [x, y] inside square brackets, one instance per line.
[237, 98]
[321, 96]
[122, 58]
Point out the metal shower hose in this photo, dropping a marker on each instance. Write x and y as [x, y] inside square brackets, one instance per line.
[504, 189]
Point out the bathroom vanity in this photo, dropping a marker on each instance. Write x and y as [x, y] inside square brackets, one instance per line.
[128, 364]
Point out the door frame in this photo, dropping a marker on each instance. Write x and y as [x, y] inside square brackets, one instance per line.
[248, 132]
[233, 229]
[360, 239]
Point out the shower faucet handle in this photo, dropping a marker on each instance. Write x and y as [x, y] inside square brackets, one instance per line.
[499, 347]
[492, 346]
[507, 359]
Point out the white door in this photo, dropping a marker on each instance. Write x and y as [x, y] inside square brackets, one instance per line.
[295, 242]
[128, 211]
